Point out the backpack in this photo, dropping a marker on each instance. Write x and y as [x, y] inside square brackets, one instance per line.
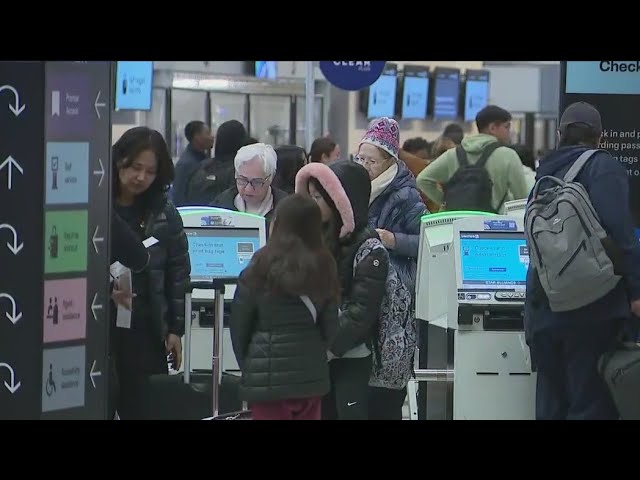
[470, 187]
[210, 179]
[565, 242]
[395, 336]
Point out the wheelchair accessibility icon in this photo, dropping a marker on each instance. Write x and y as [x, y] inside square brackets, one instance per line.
[50, 386]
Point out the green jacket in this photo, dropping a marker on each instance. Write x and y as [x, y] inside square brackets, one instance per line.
[504, 167]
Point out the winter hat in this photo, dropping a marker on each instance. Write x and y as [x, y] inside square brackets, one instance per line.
[348, 186]
[384, 133]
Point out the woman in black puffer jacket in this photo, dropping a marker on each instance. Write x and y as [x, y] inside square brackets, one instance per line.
[284, 316]
[342, 192]
[142, 173]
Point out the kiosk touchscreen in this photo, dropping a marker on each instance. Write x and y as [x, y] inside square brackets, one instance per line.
[515, 208]
[221, 244]
[493, 377]
[491, 263]
[435, 265]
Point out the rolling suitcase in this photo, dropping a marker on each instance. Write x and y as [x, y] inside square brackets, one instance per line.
[194, 396]
[620, 369]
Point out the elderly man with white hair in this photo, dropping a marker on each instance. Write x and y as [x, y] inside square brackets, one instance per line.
[255, 167]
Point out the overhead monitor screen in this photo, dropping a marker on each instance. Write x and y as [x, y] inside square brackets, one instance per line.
[134, 84]
[220, 252]
[266, 69]
[476, 93]
[415, 92]
[446, 93]
[382, 93]
[493, 260]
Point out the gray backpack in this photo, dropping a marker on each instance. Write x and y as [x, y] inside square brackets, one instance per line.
[564, 237]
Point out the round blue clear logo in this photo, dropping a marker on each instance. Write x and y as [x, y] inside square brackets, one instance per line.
[350, 74]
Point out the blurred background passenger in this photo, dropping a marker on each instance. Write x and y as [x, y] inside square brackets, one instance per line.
[291, 159]
[324, 150]
[216, 174]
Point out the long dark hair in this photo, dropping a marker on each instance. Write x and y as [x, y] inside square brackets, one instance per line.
[130, 145]
[291, 159]
[295, 261]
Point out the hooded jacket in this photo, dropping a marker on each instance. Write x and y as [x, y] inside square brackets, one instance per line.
[217, 174]
[504, 168]
[398, 209]
[607, 184]
[349, 188]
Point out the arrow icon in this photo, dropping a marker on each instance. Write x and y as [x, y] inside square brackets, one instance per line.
[10, 161]
[96, 239]
[97, 104]
[95, 306]
[14, 316]
[17, 109]
[13, 387]
[100, 172]
[92, 374]
[15, 248]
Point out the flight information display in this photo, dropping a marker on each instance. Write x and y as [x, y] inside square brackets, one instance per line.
[415, 92]
[446, 93]
[476, 93]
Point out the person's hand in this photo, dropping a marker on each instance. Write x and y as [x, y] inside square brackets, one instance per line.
[122, 297]
[635, 308]
[388, 238]
[174, 345]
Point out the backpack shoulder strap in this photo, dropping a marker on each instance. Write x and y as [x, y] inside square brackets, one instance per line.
[365, 249]
[310, 306]
[486, 153]
[463, 161]
[575, 169]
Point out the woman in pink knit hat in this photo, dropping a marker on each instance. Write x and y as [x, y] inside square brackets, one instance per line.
[395, 209]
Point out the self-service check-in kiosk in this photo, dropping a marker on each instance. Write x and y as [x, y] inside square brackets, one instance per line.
[221, 244]
[492, 366]
[471, 291]
[434, 356]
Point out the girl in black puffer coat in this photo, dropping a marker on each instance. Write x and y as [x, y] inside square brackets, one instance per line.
[284, 316]
[142, 173]
[342, 192]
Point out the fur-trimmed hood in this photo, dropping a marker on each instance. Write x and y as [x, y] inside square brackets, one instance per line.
[349, 187]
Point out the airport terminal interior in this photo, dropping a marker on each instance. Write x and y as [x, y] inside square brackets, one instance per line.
[311, 240]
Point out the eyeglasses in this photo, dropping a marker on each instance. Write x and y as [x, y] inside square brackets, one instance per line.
[254, 182]
[367, 160]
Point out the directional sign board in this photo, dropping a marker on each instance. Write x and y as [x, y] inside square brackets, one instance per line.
[55, 141]
[21, 199]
